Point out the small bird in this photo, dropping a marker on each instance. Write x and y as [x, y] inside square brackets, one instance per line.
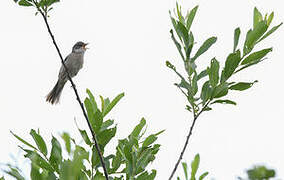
[74, 62]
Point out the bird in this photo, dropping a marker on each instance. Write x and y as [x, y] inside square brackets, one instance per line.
[73, 62]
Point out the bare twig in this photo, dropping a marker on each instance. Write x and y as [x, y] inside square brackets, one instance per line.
[187, 139]
[76, 92]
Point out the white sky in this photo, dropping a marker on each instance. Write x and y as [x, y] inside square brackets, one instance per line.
[129, 44]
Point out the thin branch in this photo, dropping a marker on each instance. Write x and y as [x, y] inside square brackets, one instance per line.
[76, 93]
[187, 139]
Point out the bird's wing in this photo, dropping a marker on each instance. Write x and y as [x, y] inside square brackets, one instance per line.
[62, 73]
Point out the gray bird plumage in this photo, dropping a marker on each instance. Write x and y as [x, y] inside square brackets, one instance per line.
[74, 62]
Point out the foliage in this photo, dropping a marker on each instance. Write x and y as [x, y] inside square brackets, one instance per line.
[133, 154]
[204, 88]
[216, 80]
[44, 6]
[260, 173]
[194, 168]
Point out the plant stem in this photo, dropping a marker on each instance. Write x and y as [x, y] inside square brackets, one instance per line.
[187, 139]
[76, 93]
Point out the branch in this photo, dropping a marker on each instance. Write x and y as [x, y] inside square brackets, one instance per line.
[76, 93]
[187, 139]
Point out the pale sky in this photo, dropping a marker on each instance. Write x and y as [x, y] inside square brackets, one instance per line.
[129, 44]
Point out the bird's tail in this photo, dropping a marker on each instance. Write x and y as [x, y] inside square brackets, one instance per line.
[54, 95]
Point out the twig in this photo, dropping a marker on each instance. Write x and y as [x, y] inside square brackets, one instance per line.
[187, 139]
[76, 92]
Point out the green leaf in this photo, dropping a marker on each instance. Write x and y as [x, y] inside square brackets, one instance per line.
[231, 64]
[158, 133]
[56, 154]
[128, 155]
[98, 121]
[106, 124]
[202, 74]
[107, 102]
[80, 153]
[270, 18]
[207, 109]
[117, 160]
[112, 104]
[255, 34]
[194, 166]
[248, 65]
[226, 101]
[50, 2]
[236, 38]
[260, 172]
[152, 175]
[38, 160]
[194, 84]
[203, 176]
[270, 32]
[94, 114]
[92, 100]
[149, 140]
[66, 137]
[190, 17]
[183, 33]
[241, 86]
[177, 44]
[247, 49]
[179, 13]
[42, 3]
[188, 48]
[95, 157]
[213, 72]
[257, 17]
[25, 3]
[184, 84]
[256, 56]
[102, 104]
[221, 90]
[206, 92]
[143, 159]
[23, 141]
[105, 136]
[204, 47]
[85, 137]
[135, 133]
[184, 165]
[39, 142]
[90, 112]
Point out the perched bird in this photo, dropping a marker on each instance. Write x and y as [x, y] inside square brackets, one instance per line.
[74, 62]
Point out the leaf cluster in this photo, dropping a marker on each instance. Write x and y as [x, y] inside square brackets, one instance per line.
[132, 156]
[42, 5]
[260, 173]
[194, 168]
[216, 80]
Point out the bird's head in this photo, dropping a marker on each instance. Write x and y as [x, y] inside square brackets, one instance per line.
[79, 47]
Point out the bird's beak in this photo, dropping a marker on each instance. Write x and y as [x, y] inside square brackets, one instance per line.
[84, 46]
